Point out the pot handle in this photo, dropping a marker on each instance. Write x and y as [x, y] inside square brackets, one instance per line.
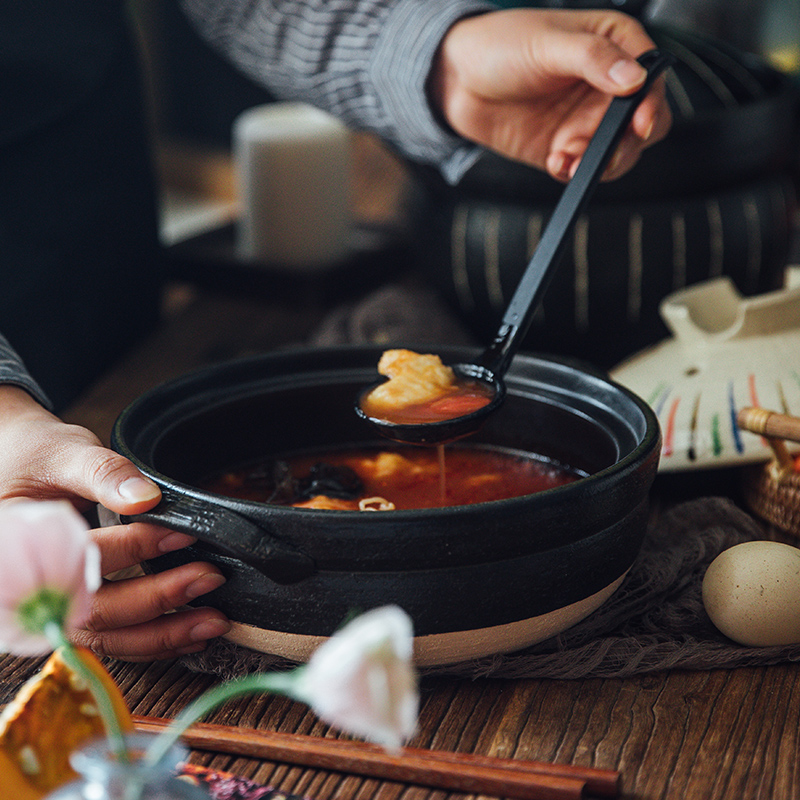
[232, 534]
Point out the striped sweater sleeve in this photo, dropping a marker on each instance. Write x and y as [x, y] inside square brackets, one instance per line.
[366, 61]
[12, 371]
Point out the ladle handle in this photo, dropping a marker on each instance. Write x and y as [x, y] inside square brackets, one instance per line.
[550, 250]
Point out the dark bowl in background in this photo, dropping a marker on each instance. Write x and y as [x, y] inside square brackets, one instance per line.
[716, 197]
[478, 579]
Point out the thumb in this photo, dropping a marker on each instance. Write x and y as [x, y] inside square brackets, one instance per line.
[117, 484]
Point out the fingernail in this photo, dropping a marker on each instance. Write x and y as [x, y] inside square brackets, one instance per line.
[649, 132]
[627, 74]
[138, 490]
[204, 584]
[210, 629]
[573, 168]
[559, 166]
[175, 541]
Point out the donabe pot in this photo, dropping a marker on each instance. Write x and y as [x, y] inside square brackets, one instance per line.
[478, 579]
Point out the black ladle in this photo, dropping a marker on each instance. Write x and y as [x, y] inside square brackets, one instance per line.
[491, 367]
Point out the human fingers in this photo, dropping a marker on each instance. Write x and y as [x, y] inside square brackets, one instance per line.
[103, 476]
[533, 84]
[144, 618]
[650, 123]
[168, 636]
[652, 120]
[519, 54]
[600, 48]
[45, 458]
[132, 601]
[122, 546]
[563, 163]
[643, 132]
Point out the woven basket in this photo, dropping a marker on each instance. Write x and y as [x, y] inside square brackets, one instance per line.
[772, 491]
[775, 500]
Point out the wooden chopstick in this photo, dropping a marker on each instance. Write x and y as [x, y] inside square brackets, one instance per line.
[462, 772]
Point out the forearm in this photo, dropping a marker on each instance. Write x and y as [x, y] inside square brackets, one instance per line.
[367, 61]
[13, 372]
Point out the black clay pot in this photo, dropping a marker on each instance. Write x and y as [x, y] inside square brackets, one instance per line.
[476, 579]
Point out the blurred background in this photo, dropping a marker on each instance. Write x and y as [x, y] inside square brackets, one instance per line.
[195, 96]
[719, 197]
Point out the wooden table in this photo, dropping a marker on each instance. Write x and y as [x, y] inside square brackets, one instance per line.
[717, 734]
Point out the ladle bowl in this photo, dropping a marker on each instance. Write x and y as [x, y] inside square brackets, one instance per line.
[445, 430]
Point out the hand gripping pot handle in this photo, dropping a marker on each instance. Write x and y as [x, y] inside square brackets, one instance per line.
[231, 534]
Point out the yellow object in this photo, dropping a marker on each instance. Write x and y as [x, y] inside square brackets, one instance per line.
[53, 714]
[413, 378]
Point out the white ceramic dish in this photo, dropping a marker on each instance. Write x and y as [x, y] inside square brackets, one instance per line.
[725, 353]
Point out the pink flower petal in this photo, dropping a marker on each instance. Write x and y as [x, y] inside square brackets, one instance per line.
[362, 681]
[44, 545]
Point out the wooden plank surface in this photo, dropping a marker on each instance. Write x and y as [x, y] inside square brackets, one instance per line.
[718, 734]
[729, 734]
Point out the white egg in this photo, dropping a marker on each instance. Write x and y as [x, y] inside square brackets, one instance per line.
[752, 593]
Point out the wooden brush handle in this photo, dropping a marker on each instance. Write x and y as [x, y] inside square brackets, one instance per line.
[775, 428]
[769, 423]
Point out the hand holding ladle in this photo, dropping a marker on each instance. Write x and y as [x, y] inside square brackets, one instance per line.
[490, 368]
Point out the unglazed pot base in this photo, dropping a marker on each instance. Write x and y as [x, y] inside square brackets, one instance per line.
[439, 648]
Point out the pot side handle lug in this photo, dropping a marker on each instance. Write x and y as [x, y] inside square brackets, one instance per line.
[232, 534]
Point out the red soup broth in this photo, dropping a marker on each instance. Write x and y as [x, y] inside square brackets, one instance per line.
[411, 477]
[464, 398]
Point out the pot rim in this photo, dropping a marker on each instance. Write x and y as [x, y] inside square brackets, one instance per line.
[649, 442]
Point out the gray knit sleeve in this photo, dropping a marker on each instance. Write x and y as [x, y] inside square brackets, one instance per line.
[13, 371]
[366, 61]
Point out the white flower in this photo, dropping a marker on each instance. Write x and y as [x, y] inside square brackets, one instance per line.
[49, 570]
[362, 680]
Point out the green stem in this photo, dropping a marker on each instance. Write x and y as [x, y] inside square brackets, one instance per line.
[116, 738]
[279, 683]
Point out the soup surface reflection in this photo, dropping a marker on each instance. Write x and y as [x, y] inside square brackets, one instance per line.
[398, 478]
